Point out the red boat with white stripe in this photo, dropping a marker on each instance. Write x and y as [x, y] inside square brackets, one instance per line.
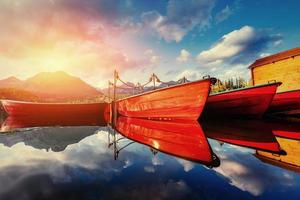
[250, 102]
[287, 102]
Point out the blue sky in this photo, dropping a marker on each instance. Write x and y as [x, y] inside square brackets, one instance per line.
[172, 38]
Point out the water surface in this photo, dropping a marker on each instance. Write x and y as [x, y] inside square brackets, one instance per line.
[96, 162]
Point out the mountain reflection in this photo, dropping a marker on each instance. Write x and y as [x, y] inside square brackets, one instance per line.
[54, 138]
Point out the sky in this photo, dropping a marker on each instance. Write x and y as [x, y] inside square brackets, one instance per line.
[171, 38]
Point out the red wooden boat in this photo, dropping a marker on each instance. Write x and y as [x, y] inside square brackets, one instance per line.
[250, 102]
[16, 122]
[286, 102]
[19, 108]
[184, 101]
[246, 133]
[185, 140]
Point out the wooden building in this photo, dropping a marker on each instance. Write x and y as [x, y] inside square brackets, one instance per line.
[289, 161]
[283, 67]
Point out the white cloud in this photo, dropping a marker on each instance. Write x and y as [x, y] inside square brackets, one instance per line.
[183, 56]
[238, 175]
[230, 45]
[190, 74]
[223, 14]
[187, 165]
[151, 57]
[157, 161]
[149, 169]
[264, 55]
[278, 42]
[182, 16]
[247, 174]
[239, 46]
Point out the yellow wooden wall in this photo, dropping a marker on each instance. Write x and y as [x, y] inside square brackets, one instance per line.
[292, 148]
[286, 71]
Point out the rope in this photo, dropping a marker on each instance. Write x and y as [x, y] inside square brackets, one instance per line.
[125, 83]
[140, 87]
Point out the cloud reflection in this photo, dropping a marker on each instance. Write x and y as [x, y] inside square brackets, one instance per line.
[246, 173]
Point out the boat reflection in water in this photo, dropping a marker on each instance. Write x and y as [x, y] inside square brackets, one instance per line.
[180, 139]
[42, 134]
[276, 143]
[288, 136]
[253, 134]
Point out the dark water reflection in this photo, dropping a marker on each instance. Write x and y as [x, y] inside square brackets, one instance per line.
[85, 159]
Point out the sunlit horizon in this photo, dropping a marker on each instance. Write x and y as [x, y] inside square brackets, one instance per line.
[90, 39]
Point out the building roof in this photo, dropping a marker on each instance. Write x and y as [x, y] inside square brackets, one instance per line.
[276, 57]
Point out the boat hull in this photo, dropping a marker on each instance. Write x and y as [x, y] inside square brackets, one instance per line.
[18, 108]
[16, 122]
[185, 140]
[286, 102]
[185, 101]
[251, 102]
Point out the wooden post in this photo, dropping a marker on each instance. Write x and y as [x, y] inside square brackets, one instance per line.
[153, 77]
[114, 114]
[1, 116]
[108, 91]
[115, 145]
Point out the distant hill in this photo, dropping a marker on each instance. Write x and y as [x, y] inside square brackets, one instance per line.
[17, 94]
[11, 82]
[49, 87]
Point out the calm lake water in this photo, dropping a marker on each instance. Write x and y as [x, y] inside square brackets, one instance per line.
[237, 159]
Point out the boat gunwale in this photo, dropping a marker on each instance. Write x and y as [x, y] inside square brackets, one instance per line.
[3, 101]
[246, 88]
[164, 88]
[293, 90]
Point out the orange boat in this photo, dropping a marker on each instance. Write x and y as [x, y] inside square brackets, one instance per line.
[287, 102]
[20, 108]
[185, 140]
[246, 133]
[250, 102]
[184, 101]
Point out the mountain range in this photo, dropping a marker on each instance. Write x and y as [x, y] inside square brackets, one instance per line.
[128, 88]
[48, 87]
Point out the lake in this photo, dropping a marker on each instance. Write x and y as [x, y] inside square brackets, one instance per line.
[141, 159]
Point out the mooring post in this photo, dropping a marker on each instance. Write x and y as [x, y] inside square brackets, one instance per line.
[114, 99]
[108, 91]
